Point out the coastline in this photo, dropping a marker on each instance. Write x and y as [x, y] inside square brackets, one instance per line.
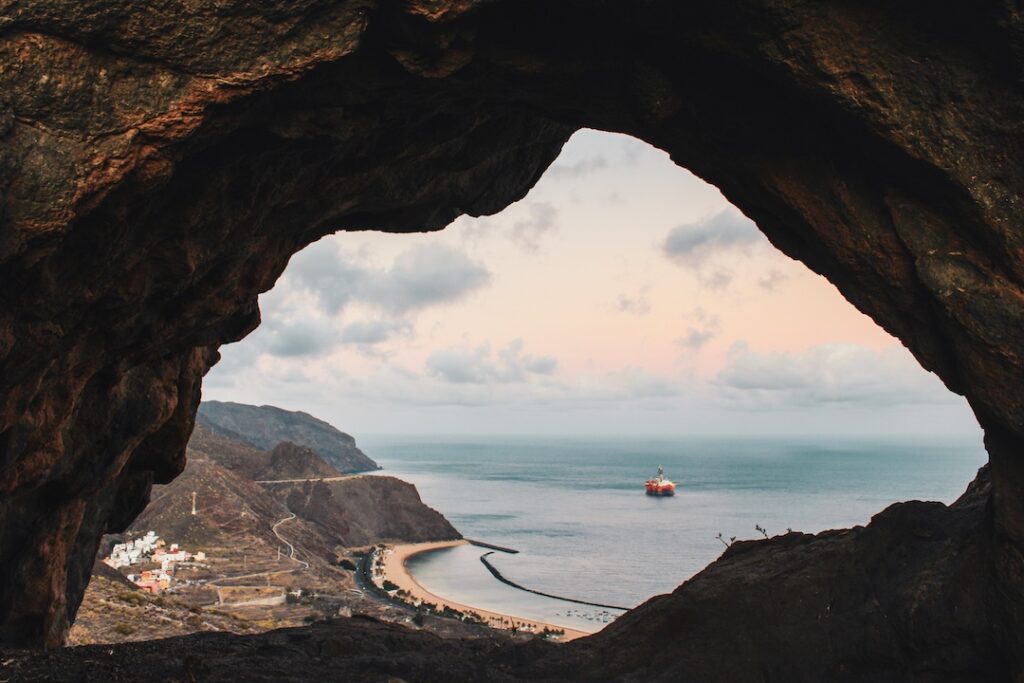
[395, 570]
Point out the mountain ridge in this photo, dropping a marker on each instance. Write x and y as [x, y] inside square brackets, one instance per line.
[266, 426]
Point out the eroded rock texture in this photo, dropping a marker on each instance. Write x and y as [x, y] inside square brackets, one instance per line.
[161, 162]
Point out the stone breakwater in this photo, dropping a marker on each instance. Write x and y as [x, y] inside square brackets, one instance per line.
[500, 577]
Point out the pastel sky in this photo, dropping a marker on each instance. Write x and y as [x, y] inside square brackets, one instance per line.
[623, 295]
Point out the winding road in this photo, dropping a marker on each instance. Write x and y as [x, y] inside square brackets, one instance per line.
[270, 572]
[291, 548]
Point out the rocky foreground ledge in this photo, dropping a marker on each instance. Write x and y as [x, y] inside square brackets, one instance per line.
[904, 598]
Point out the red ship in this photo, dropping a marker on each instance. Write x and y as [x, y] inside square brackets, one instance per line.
[658, 485]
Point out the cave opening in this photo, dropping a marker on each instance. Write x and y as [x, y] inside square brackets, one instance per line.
[159, 172]
[622, 301]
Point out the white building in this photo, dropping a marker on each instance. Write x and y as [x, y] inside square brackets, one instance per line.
[133, 551]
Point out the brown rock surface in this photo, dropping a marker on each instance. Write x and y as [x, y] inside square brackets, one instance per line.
[160, 163]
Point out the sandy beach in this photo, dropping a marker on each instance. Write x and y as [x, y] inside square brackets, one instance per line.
[395, 570]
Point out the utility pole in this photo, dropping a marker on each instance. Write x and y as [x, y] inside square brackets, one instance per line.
[278, 553]
[193, 503]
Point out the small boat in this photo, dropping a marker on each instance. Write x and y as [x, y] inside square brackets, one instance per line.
[658, 485]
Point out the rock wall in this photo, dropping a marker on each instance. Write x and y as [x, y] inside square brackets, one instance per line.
[160, 164]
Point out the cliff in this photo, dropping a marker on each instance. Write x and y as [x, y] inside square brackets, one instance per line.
[332, 512]
[266, 426]
[365, 510]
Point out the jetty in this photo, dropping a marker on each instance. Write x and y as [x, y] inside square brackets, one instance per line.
[498, 575]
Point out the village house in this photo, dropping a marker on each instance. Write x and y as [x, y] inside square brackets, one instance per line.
[154, 549]
[132, 552]
[154, 580]
[167, 559]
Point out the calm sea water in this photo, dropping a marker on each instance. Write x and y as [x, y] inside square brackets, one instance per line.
[576, 510]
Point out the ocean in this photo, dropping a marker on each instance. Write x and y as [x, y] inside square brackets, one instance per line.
[576, 511]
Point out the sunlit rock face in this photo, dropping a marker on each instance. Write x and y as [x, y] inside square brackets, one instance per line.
[161, 163]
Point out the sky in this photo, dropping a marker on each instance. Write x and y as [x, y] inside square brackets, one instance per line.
[622, 296]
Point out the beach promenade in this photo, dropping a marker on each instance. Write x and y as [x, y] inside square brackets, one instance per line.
[395, 570]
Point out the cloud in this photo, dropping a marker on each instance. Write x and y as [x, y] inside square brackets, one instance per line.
[371, 332]
[828, 374]
[771, 280]
[463, 365]
[695, 339]
[323, 270]
[578, 169]
[423, 277]
[302, 334]
[300, 339]
[528, 231]
[638, 304]
[693, 243]
[525, 224]
[700, 245]
[716, 281]
[704, 329]
[331, 298]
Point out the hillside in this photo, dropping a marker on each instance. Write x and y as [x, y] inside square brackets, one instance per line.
[359, 511]
[286, 461]
[272, 524]
[290, 461]
[228, 506]
[331, 511]
[266, 426]
[229, 452]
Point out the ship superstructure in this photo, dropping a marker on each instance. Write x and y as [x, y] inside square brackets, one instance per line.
[659, 485]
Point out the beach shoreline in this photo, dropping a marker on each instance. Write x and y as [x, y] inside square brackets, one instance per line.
[394, 559]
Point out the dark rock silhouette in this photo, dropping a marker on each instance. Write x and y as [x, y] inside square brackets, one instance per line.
[160, 163]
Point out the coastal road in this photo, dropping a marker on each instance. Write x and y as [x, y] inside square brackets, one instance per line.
[299, 481]
[370, 590]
